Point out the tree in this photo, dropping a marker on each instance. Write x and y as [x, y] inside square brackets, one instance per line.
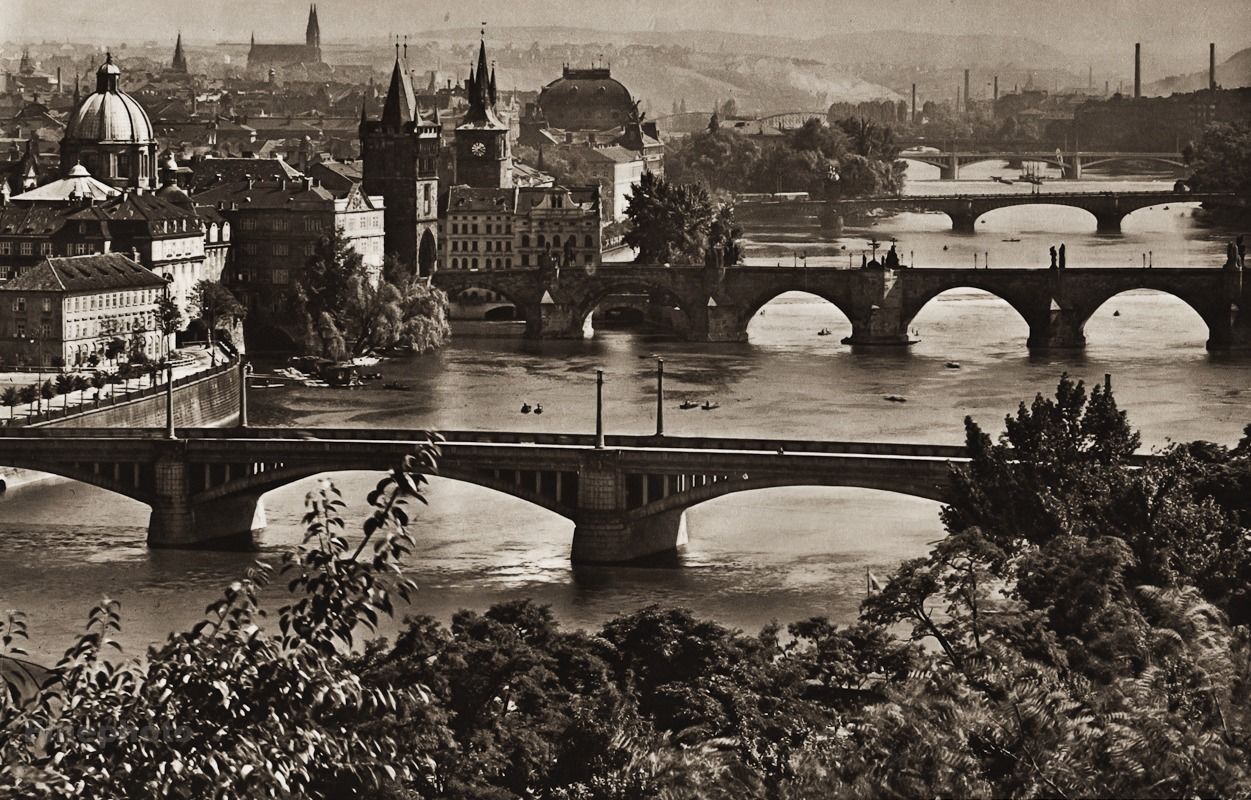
[1222, 159]
[669, 223]
[216, 306]
[350, 317]
[10, 397]
[168, 317]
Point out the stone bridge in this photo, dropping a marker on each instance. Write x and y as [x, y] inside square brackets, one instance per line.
[626, 498]
[1108, 208]
[1070, 164]
[718, 303]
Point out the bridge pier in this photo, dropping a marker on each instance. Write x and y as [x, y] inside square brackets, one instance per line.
[177, 521]
[1073, 168]
[964, 223]
[611, 538]
[1108, 222]
[1059, 329]
[951, 170]
[1232, 332]
[718, 324]
[557, 321]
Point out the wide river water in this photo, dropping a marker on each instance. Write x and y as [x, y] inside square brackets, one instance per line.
[776, 554]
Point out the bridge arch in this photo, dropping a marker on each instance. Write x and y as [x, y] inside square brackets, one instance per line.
[932, 489]
[841, 323]
[969, 221]
[1199, 310]
[915, 305]
[474, 292]
[756, 302]
[585, 305]
[1129, 157]
[540, 489]
[130, 480]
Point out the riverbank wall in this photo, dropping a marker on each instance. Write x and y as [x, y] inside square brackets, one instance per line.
[207, 399]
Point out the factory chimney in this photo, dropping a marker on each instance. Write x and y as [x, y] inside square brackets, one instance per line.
[1137, 71]
[1212, 66]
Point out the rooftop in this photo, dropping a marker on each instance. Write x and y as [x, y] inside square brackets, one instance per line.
[110, 271]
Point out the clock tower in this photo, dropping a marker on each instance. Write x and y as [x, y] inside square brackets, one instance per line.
[483, 159]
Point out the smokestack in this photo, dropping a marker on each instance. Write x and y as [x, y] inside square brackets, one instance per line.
[966, 90]
[1212, 66]
[914, 104]
[1090, 76]
[996, 88]
[1137, 71]
[957, 99]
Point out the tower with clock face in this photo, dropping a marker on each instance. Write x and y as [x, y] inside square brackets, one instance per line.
[483, 159]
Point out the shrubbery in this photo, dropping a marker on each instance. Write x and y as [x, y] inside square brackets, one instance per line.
[1071, 636]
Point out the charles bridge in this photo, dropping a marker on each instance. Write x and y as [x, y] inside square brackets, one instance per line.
[718, 303]
[627, 495]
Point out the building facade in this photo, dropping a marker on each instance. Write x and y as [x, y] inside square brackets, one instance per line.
[276, 227]
[63, 310]
[521, 228]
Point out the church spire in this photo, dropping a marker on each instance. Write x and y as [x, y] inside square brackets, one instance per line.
[312, 34]
[401, 102]
[180, 58]
[493, 94]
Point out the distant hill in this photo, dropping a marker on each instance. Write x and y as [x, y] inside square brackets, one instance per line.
[1232, 73]
[876, 47]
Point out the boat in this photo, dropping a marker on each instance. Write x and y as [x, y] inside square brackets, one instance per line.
[1011, 240]
[894, 398]
[525, 408]
[686, 404]
[823, 332]
[1116, 313]
[709, 405]
[340, 376]
[266, 385]
[538, 408]
[1001, 179]
[952, 365]
[397, 387]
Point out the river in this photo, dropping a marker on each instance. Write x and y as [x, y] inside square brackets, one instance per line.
[776, 554]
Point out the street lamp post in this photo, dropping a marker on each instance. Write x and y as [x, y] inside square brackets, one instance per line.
[599, 409]
[660, 397]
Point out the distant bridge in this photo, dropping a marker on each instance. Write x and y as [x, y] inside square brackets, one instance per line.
[1108, 208]
[627, 498]
[1070, 164]
[717, 304]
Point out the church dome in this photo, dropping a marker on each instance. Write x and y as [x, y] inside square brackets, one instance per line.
[585, 99]
[109, 114]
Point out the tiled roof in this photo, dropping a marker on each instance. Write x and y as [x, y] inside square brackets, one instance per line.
[296, 193]
[466, 198]
[613, 153]
[231, 170]
[31, 220]
[110, 271]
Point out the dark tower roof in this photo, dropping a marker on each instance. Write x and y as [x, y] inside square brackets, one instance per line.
[481, 113]
[401, 102]
[312, 34]
[494, 95]
[180, 59]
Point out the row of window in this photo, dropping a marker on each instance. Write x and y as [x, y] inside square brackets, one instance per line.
[26, 248]
[490, 245]
[487, 227]
[507, 263]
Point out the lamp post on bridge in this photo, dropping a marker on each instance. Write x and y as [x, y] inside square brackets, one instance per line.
[660, 397]
[169, 402]
[599, 409]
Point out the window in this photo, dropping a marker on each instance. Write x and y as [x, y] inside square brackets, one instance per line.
[312, 224]
[590, 242]
[280, 223]
[248, 223]
[280, 276]
[249, 249]
[19, 305]
[47, 305]
[475, 263]
[27, 249]
[20, 331]
[455, 263]
[310, 248]
[555, 240]
[525, 259]
[45, 330]
[6, 248]
[525, 240]
[281, 248]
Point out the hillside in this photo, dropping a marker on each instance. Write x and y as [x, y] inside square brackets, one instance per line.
[1232, 73]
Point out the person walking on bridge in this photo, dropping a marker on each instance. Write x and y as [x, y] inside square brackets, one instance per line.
[1053, 256]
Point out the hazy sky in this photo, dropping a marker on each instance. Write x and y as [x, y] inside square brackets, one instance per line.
[1167, 28]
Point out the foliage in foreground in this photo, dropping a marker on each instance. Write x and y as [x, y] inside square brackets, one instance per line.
[1071, 636]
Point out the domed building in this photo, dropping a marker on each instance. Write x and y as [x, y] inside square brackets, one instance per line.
[585, 100]
[110, 134]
